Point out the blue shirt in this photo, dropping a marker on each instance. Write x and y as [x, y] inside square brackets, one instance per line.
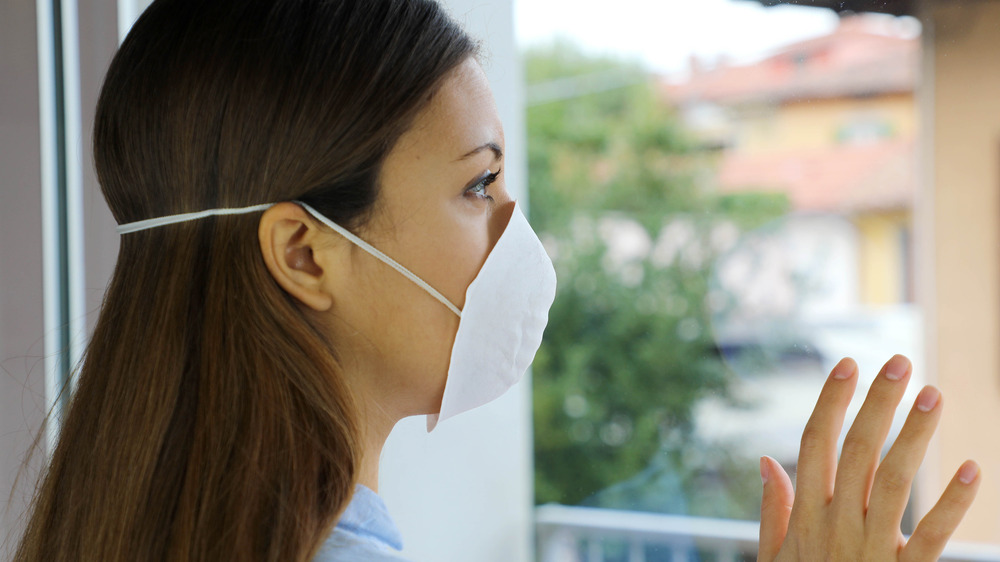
[365, 532]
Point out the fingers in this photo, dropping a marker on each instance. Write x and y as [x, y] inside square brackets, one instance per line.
[775, 507]
[818, 451]
[928, 540]
[849, 524]
[894, 478]
[864, 441]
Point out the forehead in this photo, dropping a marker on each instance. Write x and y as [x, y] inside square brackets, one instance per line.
[461, 116]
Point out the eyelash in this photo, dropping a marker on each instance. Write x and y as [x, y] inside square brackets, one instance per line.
[479, 190]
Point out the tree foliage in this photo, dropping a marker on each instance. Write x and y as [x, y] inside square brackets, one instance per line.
[624, 202]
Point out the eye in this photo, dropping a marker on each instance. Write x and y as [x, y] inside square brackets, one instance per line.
[479, 188]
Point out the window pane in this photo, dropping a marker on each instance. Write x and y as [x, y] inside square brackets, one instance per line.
[735, 197]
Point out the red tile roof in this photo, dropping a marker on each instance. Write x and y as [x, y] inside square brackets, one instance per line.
[852, 61]
[847, 179]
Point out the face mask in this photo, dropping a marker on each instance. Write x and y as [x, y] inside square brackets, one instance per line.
[499, 329]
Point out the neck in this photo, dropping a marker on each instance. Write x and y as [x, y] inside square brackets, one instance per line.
[376, 417]
[375, 428]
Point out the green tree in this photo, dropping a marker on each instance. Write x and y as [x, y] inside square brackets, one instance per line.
[628, 351]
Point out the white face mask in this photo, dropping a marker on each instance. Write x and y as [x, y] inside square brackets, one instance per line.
[500, 328]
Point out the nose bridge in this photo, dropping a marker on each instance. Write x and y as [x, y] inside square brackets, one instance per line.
[502, 196]
[503, 209]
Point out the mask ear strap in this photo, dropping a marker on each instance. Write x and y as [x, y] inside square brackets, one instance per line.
[172, 219]
[381, 257]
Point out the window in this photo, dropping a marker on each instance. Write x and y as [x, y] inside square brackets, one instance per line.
[726, 231]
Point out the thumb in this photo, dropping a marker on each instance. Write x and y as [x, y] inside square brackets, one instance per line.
[775, 508]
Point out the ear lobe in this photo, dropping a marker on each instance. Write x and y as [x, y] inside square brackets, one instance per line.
[288, 243]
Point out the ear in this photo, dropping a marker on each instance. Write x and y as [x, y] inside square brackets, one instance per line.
[295, 251]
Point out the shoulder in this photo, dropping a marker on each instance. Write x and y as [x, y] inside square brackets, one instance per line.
[345, 546]
[365, 532]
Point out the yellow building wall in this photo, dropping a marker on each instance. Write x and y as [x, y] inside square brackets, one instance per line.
[882, 264]
[799, 125]
[962, 296]
[817, 125]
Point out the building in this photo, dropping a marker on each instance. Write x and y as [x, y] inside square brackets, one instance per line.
[831, 123]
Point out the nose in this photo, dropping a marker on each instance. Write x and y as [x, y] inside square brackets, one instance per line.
[501, 197]
[503, 209]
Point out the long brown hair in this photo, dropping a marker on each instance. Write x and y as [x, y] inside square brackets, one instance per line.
[211, 421]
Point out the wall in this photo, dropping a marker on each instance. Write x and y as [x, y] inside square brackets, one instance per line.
[464, 492]
[22, 384]
[814, 124]
[882, 259]
[962, 283]
[98, 42]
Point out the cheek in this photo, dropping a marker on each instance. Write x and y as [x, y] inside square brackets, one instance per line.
[423, 329]
[410, 335]
[422, 367]
[410, 332]
[457, 257]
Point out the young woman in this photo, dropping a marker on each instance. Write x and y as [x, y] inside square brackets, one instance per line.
[317, 242]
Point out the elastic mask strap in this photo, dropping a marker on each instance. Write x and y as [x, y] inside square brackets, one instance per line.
[172, 219]
[382, 257]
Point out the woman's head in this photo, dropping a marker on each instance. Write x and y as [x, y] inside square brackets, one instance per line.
[213, 417]
[441, 207]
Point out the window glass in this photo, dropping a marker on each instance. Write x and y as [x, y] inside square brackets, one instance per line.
[735, 197]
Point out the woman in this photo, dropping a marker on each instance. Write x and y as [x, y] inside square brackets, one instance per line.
[317, 242]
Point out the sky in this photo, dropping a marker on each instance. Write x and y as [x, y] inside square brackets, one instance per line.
[664, 33]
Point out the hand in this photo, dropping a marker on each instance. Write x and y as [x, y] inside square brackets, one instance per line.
[852, 511]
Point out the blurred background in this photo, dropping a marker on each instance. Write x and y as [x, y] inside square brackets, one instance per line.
[735, 194]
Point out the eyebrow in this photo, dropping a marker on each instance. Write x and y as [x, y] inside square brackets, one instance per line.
[497, 151]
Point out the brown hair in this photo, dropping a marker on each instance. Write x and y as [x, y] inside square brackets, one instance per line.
[211, 421]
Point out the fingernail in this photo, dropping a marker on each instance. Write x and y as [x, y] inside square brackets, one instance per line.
[765, 470]
[968, 472]
[928, 399]
[896, 368]
[845, 369]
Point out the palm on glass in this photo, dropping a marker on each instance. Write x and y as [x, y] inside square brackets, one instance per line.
[852, 510]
